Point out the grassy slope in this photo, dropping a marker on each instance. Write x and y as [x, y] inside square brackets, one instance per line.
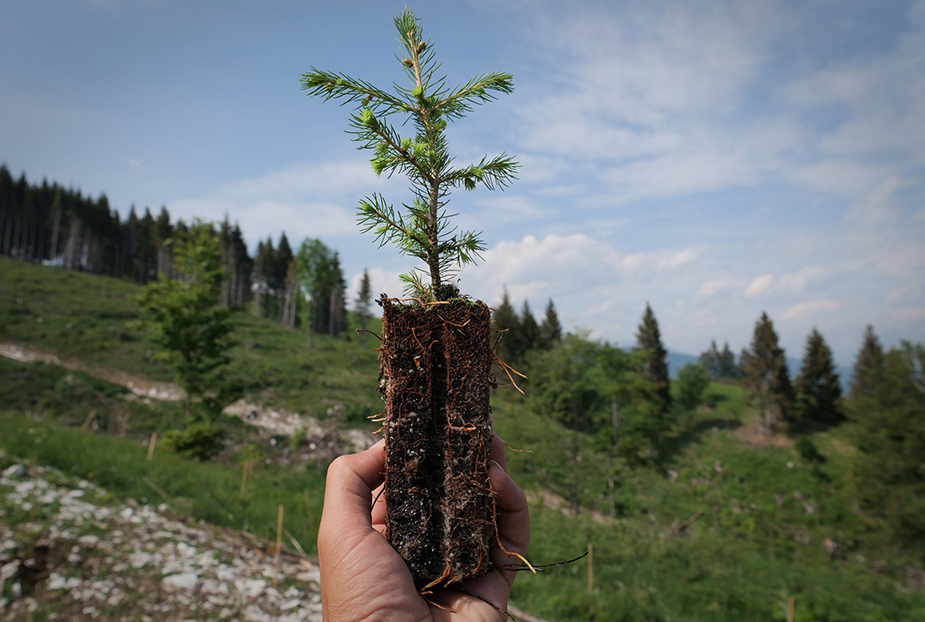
[740, 561]
[94, 318]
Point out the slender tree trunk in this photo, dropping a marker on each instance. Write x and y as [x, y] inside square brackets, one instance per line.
[611, 482]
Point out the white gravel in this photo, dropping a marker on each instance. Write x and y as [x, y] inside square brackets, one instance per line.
[67, 547]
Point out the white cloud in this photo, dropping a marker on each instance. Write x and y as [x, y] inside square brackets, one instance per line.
[305, 200]
[877, 208]
[912, 314]
[790, 282]
[759, 285]
[135, 164]
[906, 293]
[712, 288]
[809, 309]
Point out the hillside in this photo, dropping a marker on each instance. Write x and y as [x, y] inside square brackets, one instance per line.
[729, 527]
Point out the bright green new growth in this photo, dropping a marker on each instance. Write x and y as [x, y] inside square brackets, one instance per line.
[423, 228]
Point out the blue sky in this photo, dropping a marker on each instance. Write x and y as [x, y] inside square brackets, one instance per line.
[713, 158]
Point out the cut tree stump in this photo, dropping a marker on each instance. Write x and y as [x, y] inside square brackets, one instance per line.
[435, 367]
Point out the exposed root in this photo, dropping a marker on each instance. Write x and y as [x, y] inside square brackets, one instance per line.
[520, 451]
[363, 330]
[542, 567]
[508, 369]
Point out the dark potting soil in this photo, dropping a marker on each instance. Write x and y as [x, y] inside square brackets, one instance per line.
[436, 364]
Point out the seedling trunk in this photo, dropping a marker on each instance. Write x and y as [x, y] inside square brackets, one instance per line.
[435, 366]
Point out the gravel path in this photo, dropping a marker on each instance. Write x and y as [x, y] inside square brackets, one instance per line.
[70, 551]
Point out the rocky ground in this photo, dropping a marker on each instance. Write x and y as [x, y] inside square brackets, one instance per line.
[71, 551]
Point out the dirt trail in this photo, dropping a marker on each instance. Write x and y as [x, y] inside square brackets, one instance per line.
[325, 441]
[138, 385]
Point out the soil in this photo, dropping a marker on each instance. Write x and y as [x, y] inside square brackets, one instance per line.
[436, 378]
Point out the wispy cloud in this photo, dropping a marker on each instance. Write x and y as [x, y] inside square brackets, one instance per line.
[810, 309]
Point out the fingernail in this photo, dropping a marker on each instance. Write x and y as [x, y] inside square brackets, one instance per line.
[379, 443]
[495, 462]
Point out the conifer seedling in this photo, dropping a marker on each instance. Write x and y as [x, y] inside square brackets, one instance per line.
[436, 356]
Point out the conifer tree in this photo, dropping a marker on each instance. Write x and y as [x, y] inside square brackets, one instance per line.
[867, 366]
[363, 301]
[710, 359]
[818, 388]
[727, 363]
[423, 229]
[550, 330]
[529, 330]
[281, 260]
[655, 370]
[768, 378]
[507, 324]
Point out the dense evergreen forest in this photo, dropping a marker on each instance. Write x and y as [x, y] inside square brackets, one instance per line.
[49, 224]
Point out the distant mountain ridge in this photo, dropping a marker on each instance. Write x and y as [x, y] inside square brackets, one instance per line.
[677, 360]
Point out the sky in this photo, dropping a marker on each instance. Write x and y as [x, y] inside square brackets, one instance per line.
[715, 159]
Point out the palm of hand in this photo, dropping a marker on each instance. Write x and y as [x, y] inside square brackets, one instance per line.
[364, 578]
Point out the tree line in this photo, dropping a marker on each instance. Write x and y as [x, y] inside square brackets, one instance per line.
[58, 226]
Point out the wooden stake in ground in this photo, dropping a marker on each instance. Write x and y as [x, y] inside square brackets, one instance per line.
[151, 443]
[790, 610]
[87, 421]
[308, 509]
[244, 469]
[590, 568]
[279, 546]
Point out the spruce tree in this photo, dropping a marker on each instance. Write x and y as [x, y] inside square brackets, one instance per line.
[818, 388]
[711, 361]
[423, 229]
[550, 330]
[363, 301]
[507, 324]
[768, 378]
[529, 330]
[867, 366]
[281, 260]
[649, 338]
[727, 363]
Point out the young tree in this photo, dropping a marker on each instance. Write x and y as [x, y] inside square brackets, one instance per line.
[184, 316]
[550, 330]
[768, 378]
[693, 381]
[867, 366]
[727, 363]
[818, 387]
[434, 378]
[649, 338]
[423, 230]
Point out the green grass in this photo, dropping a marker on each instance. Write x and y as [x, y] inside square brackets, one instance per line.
[206, 491]
[94, 318]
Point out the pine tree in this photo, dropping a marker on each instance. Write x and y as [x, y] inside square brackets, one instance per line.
[867, 366]
[710, 359]
[280, 263]
[424, 230]
[768, 378]
[888, 429]
[529, 330]
[649, 338]
[550, 330]
[362, 304]
[818, 388]
[727, 363]
[507, 323]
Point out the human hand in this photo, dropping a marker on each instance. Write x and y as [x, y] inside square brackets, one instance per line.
[364, 578]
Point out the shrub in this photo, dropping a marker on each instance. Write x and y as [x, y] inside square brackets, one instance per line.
[199, 440]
